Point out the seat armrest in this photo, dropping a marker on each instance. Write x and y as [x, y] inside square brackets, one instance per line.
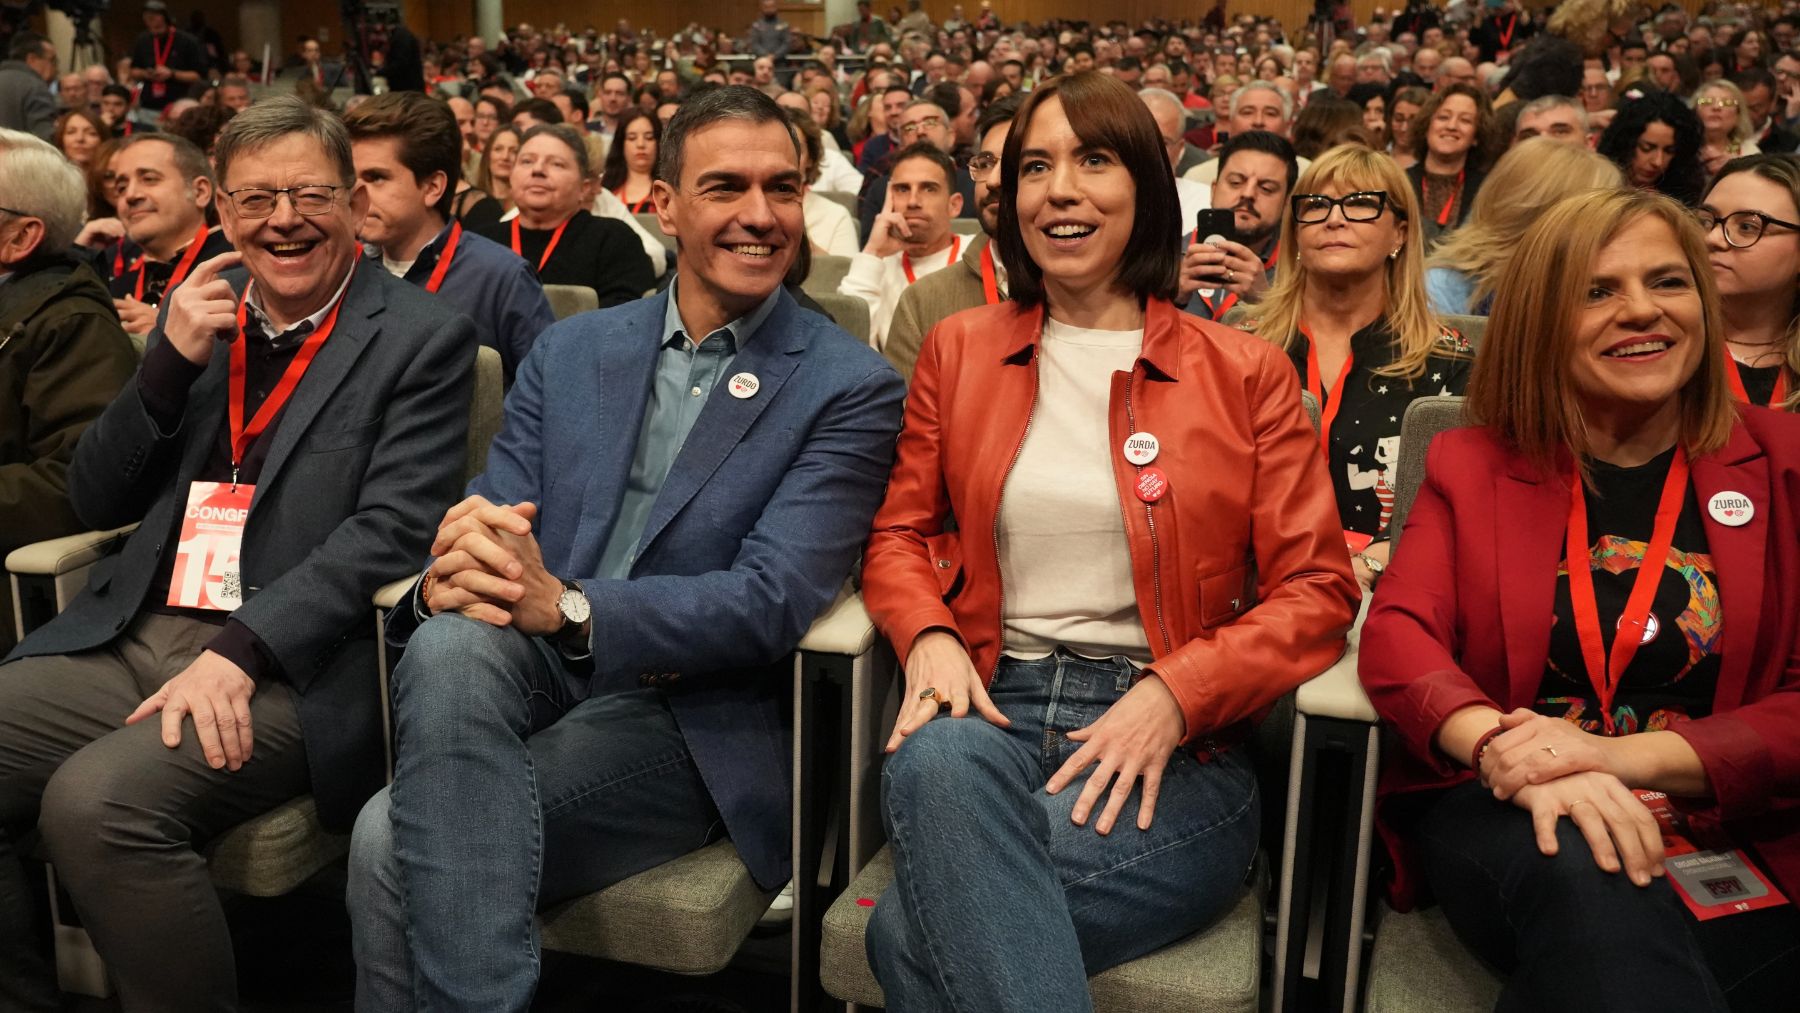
[56, 556]
[1336, 693]
[389, 595]
[844, 628]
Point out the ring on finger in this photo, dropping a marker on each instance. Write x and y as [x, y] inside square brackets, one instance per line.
[1549, 749]
[930, 693]
[1579, 801]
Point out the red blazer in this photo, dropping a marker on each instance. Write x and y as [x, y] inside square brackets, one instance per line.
[1240, 570]
[1463, 617]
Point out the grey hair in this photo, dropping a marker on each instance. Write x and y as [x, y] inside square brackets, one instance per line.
[190, 161]
[732, 102]
[1545, 103]
[1378, 54]
[271, 120]
[35, 178]
[1287, 103]
[1167, 98]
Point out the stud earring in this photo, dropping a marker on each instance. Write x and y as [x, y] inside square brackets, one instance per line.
[1394, 255]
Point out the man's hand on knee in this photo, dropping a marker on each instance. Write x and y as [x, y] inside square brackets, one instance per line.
[216, 694]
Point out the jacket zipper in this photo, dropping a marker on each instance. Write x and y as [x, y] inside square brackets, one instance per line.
[999, 580]
[1162, 627]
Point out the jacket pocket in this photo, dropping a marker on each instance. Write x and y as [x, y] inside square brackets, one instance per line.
[1224, 596]
[359, 435]
[945, 551]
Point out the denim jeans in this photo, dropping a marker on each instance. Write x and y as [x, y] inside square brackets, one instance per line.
[999, 901]
[511, 792]
[1572, 937]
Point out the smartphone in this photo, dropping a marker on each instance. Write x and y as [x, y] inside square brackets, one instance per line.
[1220, 222]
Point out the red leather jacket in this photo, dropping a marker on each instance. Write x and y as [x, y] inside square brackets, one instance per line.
[1242, 579]
[1464, 615]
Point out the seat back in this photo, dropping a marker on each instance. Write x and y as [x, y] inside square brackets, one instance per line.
[653, 226]
[848, 202]
[826, 275]
[1424, 419]
[1471, 327]
[568, 300]
[847, 311]
[486, 399]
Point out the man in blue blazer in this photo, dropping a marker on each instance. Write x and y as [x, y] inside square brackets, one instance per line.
[593, 681]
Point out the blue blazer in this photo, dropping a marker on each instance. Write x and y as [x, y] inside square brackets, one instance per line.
[761, 518]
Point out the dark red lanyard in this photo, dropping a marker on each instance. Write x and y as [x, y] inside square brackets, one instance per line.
[1328, 407]
[906, 261]
[436, 281]
[160, 54]
[1737, 384]
[636, 209]
[990, 282]
[555, 237]
[1444, 215]
[119, 259]
[1604, 671]
[182, 267]
[242, 436]
[1218, 312]
[1506, 35]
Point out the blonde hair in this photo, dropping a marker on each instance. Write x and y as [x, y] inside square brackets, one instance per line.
[1526, 181]
[1521, 385]
[1742, 130]
[1416, 329]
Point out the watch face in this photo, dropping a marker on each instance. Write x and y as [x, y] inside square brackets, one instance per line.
[574, 606]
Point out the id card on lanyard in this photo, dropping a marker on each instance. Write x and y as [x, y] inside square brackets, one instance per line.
[208, 573]
[159, 55]
[1712, 883]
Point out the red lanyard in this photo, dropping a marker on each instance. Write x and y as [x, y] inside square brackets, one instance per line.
[990, 283]
[182, 268]
[636, 209]
[555, 237]
[1507, 34]
[906, 261]
[1218, 312]
[160, 54]
[1444, 215]
[1737, 384]
[243, 436]
[436, 280]
[1604, 672]
[119, 259]
[1328, 407]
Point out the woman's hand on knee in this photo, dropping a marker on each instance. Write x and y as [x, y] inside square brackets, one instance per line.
[1619, 829]
[1535, 749]
[1134, 738]
[938, 661]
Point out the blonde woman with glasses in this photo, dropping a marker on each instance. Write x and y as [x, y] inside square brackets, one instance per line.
[1725, 128]
[1463, 271]
[1349, 308]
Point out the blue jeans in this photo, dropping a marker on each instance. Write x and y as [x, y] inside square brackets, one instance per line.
[999, 901]
[511, 792]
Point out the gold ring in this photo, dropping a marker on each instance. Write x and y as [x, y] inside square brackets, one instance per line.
[1230, 276]
[1579, 801]
[1549, 749]
[929, 693]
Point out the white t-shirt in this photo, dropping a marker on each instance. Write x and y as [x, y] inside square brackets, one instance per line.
[879, 281]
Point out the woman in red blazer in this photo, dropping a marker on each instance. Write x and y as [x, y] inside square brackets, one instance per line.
[1149, 557]
[1605, 433]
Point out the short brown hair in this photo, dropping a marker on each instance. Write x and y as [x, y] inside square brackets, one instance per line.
[1520, 387]
[1486, 146]
[430, 141]
[1105, 113]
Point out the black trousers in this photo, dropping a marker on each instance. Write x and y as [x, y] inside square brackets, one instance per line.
[1572, 937]
[121, 815]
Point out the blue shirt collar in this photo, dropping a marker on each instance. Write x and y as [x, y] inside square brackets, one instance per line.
[741, 330]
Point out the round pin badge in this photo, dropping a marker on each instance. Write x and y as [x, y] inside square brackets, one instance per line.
[744, 385]
[1652, 626]
[1142, 448]
[1732, 509]
[1152, 485]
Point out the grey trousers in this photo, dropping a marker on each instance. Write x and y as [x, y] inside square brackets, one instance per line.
[121, 816]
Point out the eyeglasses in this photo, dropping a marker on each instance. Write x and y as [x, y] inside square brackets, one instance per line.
[984, 162]
[1362, 206]
[928, 123]
[1741, 229]
[1722, 103]
[260, 202]
[15, 214]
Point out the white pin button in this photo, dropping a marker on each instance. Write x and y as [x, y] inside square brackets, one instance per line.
[1142, 448]
[744, 385]
[1732, 509]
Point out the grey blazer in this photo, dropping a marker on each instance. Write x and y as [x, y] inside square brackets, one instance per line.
[368, 456]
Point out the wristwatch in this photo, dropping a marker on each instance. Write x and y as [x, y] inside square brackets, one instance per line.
[1375, 565]
[576, 610]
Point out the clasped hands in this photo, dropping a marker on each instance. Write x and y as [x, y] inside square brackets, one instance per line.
[489, 568]
[1550, 768]
[1133, 739]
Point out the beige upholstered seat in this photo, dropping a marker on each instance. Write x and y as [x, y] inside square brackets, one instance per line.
[1215, 971]
[851, 313]
[275, 852]
[568, 300]
[826, 275]
[1419, 966]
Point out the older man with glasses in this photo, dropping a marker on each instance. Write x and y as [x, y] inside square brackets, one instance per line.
[296, 426]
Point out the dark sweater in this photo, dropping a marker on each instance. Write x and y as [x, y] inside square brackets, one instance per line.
[603, 254]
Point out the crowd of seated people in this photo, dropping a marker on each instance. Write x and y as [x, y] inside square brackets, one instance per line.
[1012, 326]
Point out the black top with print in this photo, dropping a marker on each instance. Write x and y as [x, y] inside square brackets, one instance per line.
[1675, 671]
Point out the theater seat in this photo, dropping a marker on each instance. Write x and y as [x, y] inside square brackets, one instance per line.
[848, 311]
[1418, 966]
[826, 275]
[568, 300]
[653, 225]
[850, 203]
[1215, 971]
[275, 852]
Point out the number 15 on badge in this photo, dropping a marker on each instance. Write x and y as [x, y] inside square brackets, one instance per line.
[207, 574]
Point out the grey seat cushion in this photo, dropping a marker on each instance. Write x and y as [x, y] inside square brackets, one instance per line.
[688, 916]
[1419, 965]
[275, 852]
[1216, 971]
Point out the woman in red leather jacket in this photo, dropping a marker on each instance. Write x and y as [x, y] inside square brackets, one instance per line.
[1149, 557]
[1535, 737]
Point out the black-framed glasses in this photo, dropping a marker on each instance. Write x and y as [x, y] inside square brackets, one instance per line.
[1361, 206]
[1741, 229]
[260, 202]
